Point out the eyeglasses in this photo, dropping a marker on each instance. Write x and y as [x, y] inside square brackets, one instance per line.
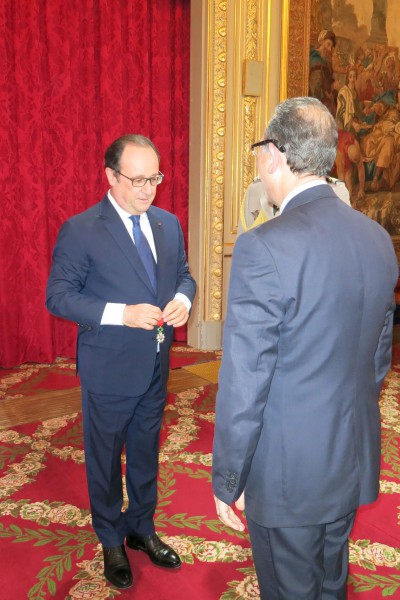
[257, 145]
[141, 181]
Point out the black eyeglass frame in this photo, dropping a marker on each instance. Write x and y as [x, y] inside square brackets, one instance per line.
[146, 179]
[278, 145]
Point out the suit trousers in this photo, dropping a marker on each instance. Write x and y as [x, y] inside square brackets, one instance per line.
[302, 563]
[111, 423]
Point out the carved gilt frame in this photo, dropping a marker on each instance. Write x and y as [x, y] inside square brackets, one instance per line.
[295, 48]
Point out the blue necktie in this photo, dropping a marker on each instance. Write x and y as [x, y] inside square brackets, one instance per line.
[145, 253]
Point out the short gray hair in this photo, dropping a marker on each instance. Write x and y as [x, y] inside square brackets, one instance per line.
[308, 131]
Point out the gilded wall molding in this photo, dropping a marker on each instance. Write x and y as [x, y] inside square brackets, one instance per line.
[223, 125]
[217, 80]
[252, 29]
[250, 103]
[238, 30]
[295, 48]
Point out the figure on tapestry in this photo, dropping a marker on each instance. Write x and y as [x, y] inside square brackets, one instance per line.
[354, 70]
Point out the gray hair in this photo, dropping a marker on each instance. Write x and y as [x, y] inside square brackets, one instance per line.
[112, 156]
[308, 132]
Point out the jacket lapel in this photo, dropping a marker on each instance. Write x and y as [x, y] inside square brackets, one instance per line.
[157, 228]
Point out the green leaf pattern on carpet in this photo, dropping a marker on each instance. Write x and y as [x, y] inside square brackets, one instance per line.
[184, 461]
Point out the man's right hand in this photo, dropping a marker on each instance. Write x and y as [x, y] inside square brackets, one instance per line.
[145, 316]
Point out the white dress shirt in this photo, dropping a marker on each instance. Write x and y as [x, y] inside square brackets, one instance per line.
[114, 312]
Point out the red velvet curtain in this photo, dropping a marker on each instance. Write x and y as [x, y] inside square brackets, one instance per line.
[75, 75]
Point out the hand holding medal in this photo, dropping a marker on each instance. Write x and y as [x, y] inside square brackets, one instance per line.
[174, 314]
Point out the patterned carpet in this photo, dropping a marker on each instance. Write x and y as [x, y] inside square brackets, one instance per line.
[48, 547]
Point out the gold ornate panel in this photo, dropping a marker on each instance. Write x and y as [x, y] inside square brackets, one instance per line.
[217, 79]
[237, 32]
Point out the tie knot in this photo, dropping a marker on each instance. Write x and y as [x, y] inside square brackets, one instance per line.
[135, 220]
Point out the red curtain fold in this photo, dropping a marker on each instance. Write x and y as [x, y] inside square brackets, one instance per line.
[74, 76]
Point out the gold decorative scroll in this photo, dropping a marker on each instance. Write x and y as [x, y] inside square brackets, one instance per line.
[217, 46]
[250, 103]
[252, 21]
[252, 29]
[238, 31]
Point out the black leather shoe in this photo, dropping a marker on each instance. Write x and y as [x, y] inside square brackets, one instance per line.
[116, 567]
[160, 554]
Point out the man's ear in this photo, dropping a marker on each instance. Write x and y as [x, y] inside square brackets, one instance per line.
[275, 158]
[111, 177]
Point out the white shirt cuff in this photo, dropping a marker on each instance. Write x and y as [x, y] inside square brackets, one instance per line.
[184, 299]
[113, 314]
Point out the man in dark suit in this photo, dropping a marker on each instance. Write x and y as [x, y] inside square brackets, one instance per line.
[307, 344]
[120, 271]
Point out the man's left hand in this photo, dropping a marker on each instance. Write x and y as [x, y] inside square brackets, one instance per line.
[227, 515]
[175, 313]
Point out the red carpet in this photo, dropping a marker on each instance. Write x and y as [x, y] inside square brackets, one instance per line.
[47, 546]
[34, 378]
[182, 356]
[375, 552]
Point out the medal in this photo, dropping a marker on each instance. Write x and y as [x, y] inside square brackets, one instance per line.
[160, 337]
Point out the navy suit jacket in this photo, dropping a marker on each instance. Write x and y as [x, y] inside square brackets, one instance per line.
[94, 262]
[307, 344]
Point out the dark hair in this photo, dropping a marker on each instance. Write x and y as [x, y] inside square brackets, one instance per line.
[307, 130]
[112, 156]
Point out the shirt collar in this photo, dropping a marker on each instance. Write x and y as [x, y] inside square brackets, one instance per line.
[122, 212]
[298, 190]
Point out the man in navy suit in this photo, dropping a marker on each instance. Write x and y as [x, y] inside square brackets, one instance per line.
[307, 344]
[120, 271]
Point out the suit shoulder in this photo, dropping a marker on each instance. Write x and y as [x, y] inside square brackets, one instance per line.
[261, 234]
[368, 222]
[88, 214]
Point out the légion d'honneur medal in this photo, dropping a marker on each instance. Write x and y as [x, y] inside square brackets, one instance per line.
[160, 337]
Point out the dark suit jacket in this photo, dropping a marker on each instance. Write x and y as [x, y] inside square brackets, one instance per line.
[307, 344]
[95, 262]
